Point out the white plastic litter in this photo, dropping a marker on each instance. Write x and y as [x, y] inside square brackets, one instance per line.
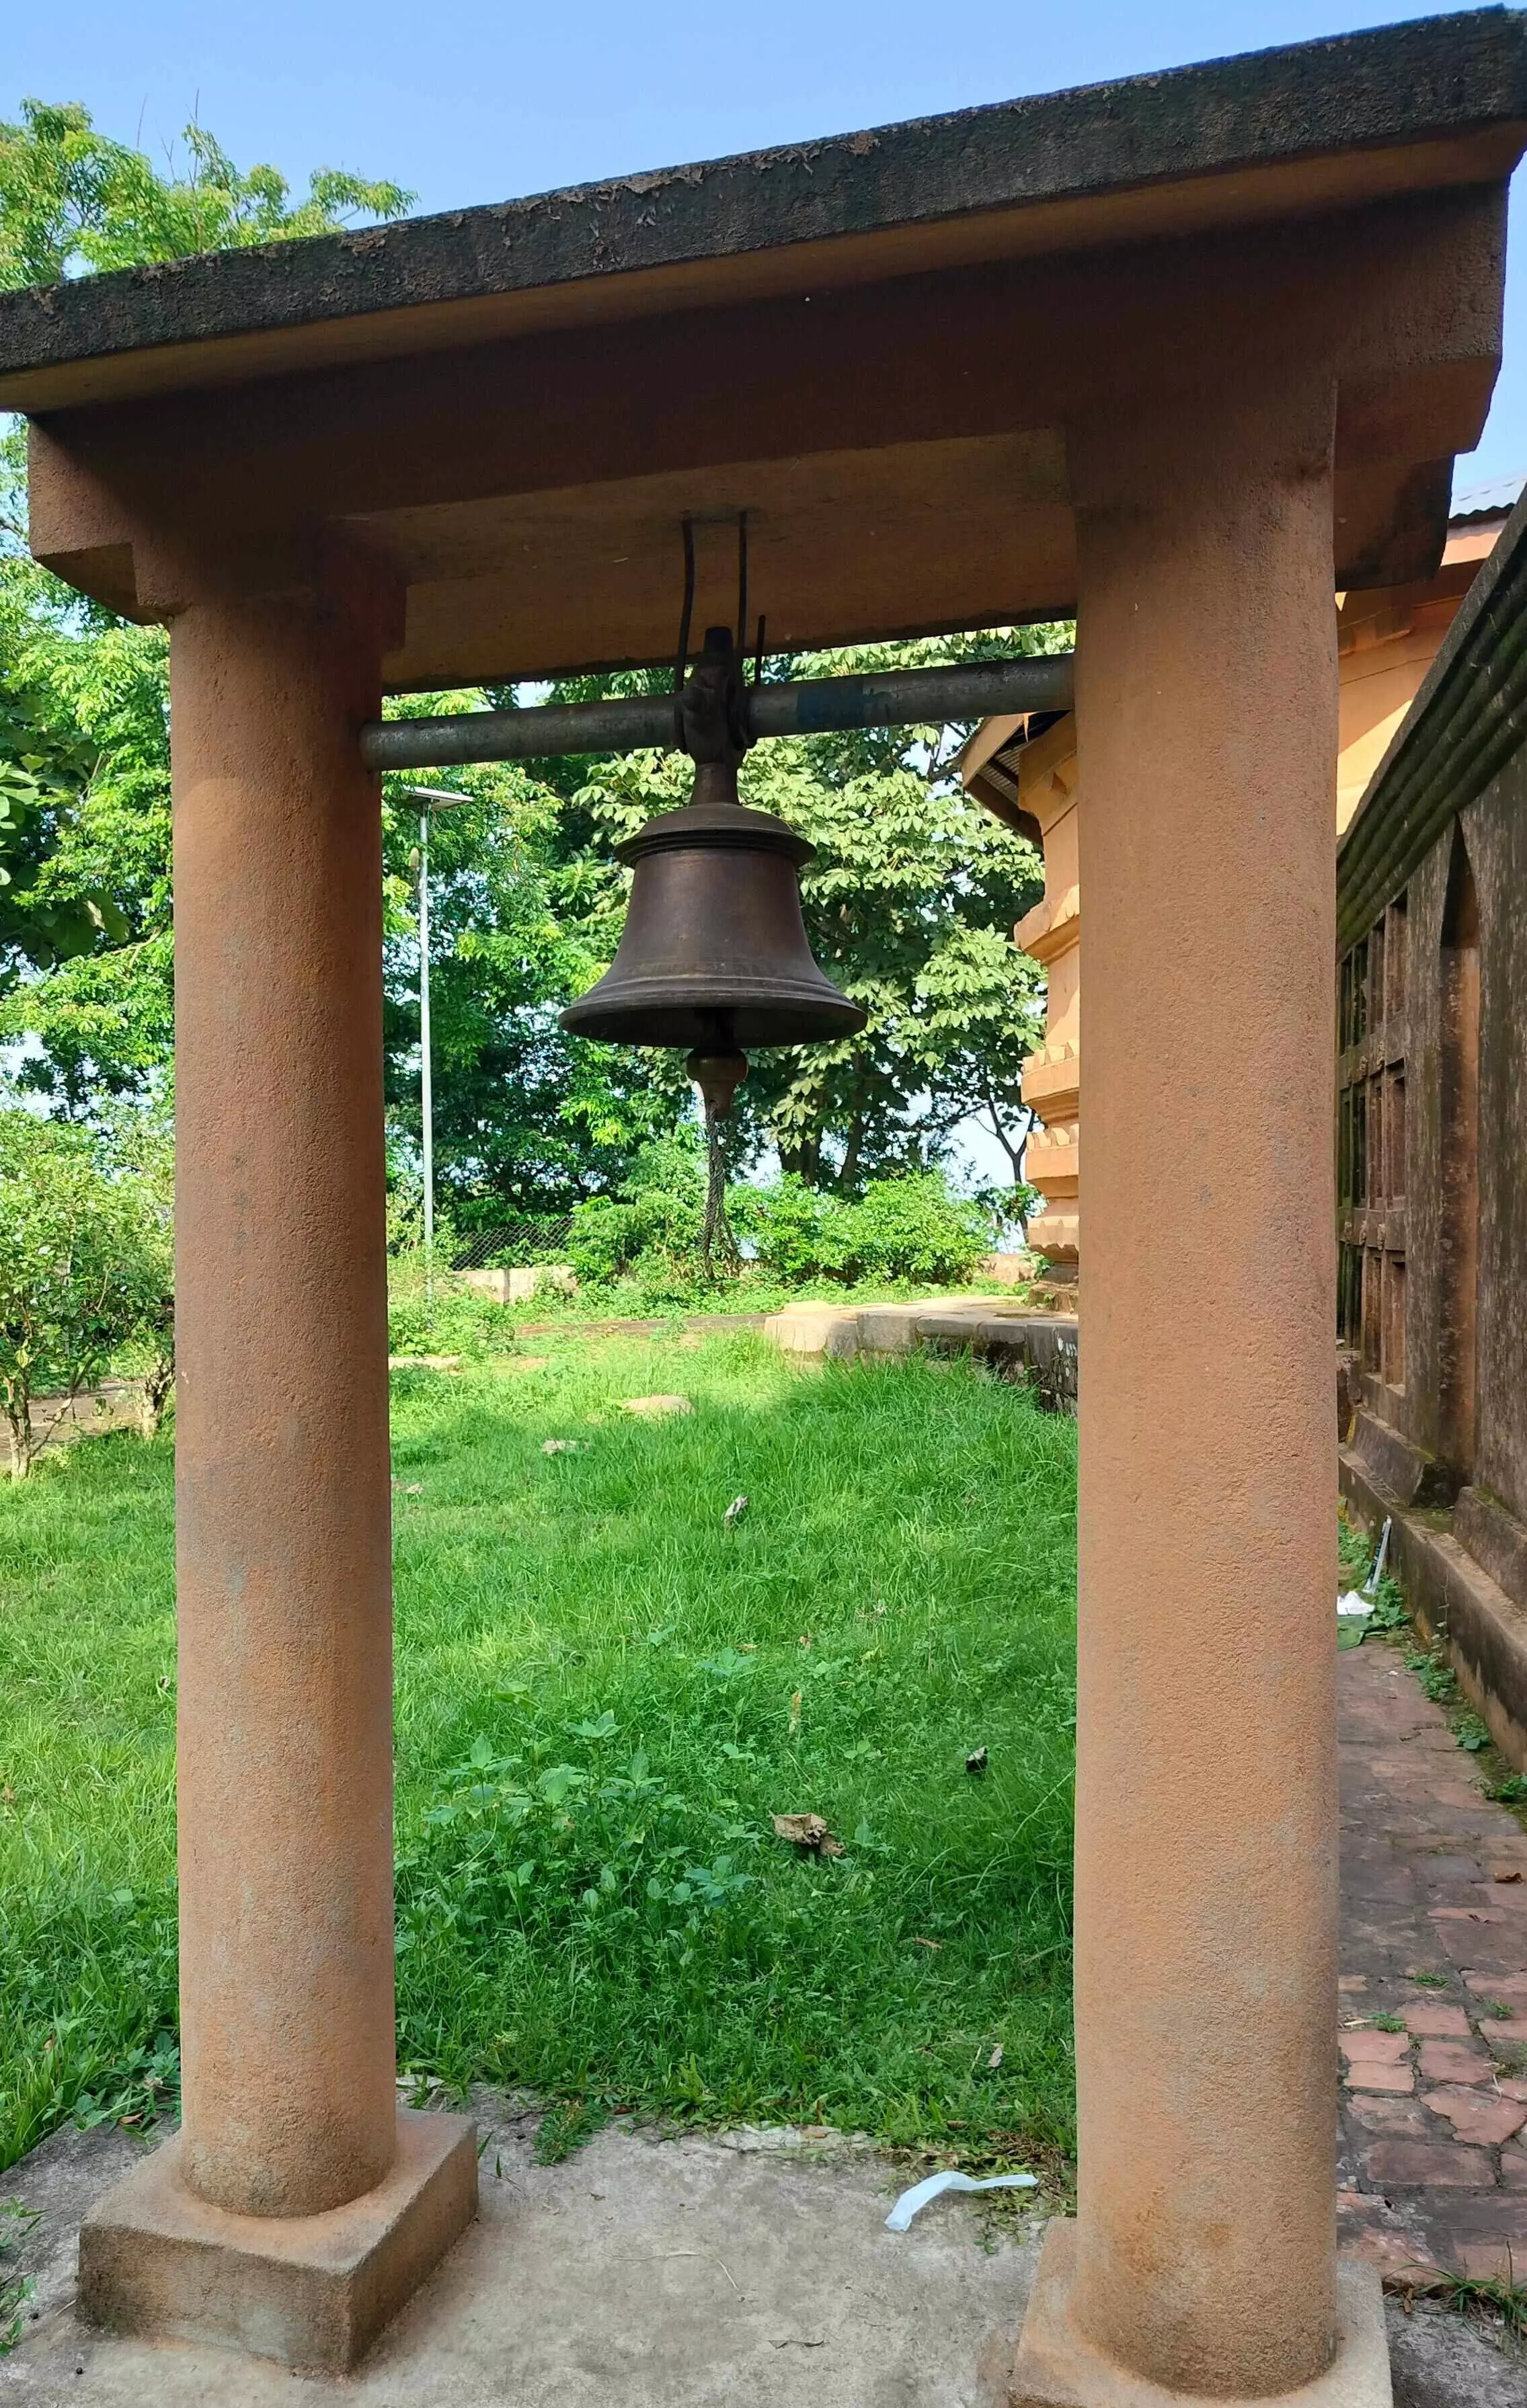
[912, 2201]
[1361, 1600]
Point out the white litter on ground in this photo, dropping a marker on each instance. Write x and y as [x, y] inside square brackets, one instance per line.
[912, 2201]
[1361, 1600]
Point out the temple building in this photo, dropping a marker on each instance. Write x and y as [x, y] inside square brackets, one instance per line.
[1025, 771]
[1431, 1139]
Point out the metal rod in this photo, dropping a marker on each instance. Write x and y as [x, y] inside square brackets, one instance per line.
[641, 722]
[433, 800]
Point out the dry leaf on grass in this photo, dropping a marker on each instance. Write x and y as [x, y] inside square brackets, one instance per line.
[808, 1832]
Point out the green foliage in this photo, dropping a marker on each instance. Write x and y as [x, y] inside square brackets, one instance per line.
[72, 201]
[442, 1316]
[79, 1270]
[15, 2289]
[1390, 1611]
[1436, 1676]
[42, 771]
[911, 1229]
[140, 1145]
[566, 2127]
[1354, 1550]
[649, 1231]
[1495, 2300]
[104, 1017]
[578, 1632]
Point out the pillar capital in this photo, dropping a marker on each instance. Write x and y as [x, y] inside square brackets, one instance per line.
[319, 567]
[1150, 456]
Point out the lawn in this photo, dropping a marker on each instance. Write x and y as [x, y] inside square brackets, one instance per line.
[604, 1695]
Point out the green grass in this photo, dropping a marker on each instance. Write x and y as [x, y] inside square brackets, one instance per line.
[603, 1696]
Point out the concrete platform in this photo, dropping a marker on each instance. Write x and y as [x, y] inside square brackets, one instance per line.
[642, 2274]
[638, 2273]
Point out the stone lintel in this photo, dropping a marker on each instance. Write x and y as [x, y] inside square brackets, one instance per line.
[1058, 2368]
[310, 2291]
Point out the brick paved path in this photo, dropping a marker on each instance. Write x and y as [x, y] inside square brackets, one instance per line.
[1434, 2157]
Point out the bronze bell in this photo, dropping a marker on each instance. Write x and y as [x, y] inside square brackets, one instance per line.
[713, 955]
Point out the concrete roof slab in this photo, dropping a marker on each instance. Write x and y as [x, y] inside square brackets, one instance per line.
[875, 346]
[1279, 132]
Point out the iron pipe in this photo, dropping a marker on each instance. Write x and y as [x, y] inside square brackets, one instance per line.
[811, 707]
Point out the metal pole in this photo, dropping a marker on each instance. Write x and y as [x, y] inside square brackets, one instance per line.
[432, 800]
[814, 705]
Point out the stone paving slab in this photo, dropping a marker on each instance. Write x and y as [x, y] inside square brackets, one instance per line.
[1433, 2141]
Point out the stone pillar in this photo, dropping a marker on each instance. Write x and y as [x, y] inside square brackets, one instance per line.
[1204, 2257]
[284, 1577]
[283, 1500]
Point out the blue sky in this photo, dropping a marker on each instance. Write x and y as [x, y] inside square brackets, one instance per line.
[466, 102]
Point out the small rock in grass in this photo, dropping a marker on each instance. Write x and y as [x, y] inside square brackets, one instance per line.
[656, 1405]
[564, 1445]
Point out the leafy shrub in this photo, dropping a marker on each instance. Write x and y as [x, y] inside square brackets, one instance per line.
[650, 1232]
[908, 1229]
[457, 1320]
[912, 1228]
[83, 1269]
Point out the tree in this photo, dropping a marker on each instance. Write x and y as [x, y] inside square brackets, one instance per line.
[101, 1007]
[76, 1276]
[526, 1118]
[72, 201]
[85, 944]
[40, 773]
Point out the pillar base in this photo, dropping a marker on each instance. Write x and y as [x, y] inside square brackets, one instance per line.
[1057, 2367]
[310, 2291]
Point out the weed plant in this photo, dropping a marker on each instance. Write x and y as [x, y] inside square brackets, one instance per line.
[604, 1695]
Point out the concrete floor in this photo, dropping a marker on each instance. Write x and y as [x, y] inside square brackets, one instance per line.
[637, 2272]
[645, 2274]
